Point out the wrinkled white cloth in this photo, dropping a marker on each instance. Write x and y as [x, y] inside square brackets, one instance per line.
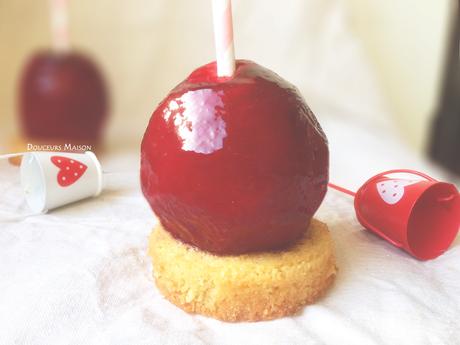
[80, 275]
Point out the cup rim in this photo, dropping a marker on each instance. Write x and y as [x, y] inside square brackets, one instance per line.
[410, 247]
[42, 209]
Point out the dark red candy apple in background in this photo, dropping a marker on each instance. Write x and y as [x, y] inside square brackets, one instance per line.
[62, 98]
[234, 165]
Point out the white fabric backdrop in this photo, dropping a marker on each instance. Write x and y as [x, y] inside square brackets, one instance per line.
[80, 275]
[146, 47]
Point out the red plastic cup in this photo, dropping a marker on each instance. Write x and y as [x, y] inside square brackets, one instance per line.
[420, 216]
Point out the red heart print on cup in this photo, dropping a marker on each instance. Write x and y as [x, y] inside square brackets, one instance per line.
[70, 170]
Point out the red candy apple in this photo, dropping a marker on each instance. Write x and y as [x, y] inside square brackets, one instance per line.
[234, 165]
[62, 98]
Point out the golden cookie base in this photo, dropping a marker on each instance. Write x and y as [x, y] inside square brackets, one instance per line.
[249, 287]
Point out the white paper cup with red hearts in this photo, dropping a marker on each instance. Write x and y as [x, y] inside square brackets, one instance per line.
[421, 216]
[54, 179]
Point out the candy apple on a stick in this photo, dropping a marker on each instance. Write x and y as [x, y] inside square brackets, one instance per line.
[235, 164]
[233, 160]
[62, 94]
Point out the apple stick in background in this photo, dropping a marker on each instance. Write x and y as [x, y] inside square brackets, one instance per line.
[223, 37]
[59, 25]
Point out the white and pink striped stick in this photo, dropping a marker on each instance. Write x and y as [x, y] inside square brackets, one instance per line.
[59, 25]
[223, 37]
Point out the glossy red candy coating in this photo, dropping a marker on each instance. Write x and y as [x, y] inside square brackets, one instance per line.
[62, 97]
[234, 165]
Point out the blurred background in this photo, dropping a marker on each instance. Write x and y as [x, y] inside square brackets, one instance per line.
[379, 63]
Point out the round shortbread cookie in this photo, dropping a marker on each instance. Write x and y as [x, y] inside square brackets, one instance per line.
[249, 287]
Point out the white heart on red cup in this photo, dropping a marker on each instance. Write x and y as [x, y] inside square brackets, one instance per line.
[392, 191]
